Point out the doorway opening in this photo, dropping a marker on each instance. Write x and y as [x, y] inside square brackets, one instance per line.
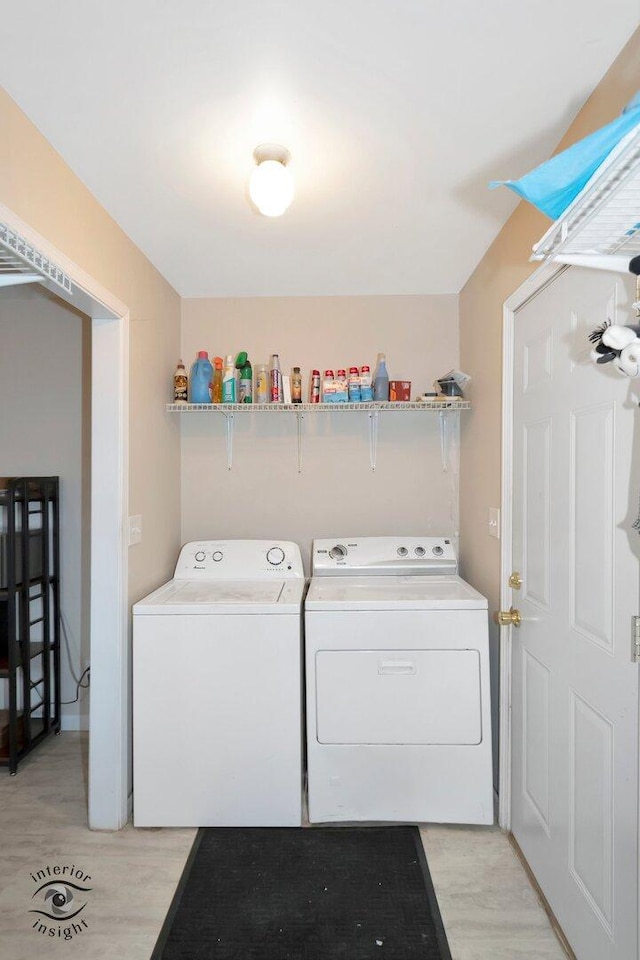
[37, 265]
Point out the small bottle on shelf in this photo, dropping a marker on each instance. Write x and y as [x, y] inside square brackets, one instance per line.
[328, 386]
[262, 383]
[314, 387]
[180, 384]
[296, 385]
[276, 379]
[366, 385]
[354, 385]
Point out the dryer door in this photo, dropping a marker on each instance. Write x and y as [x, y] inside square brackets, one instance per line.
[398, 697]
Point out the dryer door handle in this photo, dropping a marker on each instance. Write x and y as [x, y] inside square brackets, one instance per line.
[396, 667]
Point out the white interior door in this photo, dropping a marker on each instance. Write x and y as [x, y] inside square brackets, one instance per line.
[576, 478]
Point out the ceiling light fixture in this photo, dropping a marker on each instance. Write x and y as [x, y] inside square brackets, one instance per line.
[271, 185]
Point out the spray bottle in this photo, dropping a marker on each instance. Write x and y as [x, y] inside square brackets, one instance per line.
[245, 392]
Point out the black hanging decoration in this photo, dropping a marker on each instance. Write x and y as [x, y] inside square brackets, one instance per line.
[618, 343]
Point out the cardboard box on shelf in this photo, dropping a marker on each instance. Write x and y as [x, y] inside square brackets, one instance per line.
[400, 390]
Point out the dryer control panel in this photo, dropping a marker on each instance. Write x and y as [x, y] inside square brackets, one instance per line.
[239, 560]
[384, 556]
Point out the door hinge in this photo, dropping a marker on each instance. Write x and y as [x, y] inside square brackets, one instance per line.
[635, 639]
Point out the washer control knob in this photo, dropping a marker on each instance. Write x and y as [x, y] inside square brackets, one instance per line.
[199, 556]
[338, 552]
[217, 556]
[437, 551]
[275, 556]
[402, 551]
[420, 551]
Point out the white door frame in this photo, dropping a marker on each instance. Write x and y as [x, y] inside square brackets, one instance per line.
[109, 713]
[531, 286]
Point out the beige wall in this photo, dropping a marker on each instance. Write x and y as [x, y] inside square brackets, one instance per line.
[337, 493]
[45, 366]
[39, 187]
[501, 271]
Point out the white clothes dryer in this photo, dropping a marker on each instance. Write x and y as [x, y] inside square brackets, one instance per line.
[217, 677]
[397, 681]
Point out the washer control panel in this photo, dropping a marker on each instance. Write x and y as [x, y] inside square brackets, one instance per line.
[239, 560]
[384, 556]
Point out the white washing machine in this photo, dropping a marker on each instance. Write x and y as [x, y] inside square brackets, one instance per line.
[217, 677]
[397, 679]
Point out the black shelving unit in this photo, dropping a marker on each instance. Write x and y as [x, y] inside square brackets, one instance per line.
[29, 615]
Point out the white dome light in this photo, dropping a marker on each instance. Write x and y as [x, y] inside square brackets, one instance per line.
[271, 185]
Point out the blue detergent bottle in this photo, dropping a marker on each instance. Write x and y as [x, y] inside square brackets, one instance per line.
[381, 379]
[201, 378]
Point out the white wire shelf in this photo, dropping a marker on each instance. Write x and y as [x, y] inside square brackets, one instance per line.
[449, 403]
[20, 262]
[601, 228]
[448, 408]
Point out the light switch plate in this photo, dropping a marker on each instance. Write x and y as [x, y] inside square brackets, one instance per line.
[494, 522]
[135, 529]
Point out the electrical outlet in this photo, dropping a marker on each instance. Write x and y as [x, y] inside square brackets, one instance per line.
[135, 529]
[494, 522]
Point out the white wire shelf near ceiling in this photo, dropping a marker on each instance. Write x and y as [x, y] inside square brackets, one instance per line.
[601, 227]
[21, 262]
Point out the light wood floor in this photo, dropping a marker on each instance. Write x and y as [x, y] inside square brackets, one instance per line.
[489, 908]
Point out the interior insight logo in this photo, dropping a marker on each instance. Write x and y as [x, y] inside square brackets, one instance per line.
[59, 899]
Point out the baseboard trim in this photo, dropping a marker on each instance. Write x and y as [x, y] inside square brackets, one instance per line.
[557, 929]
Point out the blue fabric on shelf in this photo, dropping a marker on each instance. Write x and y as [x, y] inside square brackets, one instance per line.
[554, 184]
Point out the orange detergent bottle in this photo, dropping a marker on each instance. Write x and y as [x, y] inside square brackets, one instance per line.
[216, 392]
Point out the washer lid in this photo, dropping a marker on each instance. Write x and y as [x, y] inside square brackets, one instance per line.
[393, 593]
[211, 597]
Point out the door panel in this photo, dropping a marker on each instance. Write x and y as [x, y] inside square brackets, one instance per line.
[591, 809]
[537, 448]
[535, 735]
[576, 480]
[592, 522]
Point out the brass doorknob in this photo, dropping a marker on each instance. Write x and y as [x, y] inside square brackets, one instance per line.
[507, 618]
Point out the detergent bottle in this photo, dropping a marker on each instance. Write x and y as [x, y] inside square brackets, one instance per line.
[229, 385]
[201, 377]
[216, 395]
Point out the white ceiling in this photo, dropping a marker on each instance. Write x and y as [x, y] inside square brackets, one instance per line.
[396, 114]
